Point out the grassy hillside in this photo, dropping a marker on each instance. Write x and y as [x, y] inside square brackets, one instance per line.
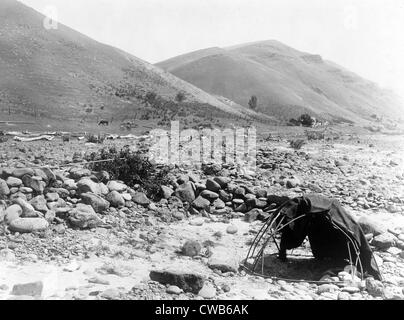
[286, 81]
[63, 75]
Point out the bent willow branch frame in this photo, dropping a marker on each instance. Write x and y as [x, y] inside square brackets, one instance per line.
[270, 230]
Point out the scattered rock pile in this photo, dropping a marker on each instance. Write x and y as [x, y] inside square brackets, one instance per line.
[35, 198]
[86, 211]
[219, 195]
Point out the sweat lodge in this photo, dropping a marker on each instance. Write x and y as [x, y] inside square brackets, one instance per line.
[332, 232]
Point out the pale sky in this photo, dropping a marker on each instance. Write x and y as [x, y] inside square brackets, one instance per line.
[365, 36]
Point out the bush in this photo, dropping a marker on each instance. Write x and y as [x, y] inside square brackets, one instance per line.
[180, 97]
[306, 120]
[133, 168]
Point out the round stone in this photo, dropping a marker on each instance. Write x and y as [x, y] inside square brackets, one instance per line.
[191, 248]
[13, 182]
[207, 292]
[27, 225]
[197, 222]
[232, 229]
[174, 290]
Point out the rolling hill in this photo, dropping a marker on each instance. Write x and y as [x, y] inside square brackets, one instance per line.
[287, 82]
[62, 74]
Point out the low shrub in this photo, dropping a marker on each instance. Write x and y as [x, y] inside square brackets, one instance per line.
[180, 97]
[133, 168]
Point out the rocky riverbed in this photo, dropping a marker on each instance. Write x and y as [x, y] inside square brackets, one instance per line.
[70, 233]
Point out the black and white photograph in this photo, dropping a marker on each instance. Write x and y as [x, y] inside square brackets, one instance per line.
[213, 152]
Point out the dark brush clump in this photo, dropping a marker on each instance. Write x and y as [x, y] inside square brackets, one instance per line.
[133, 168]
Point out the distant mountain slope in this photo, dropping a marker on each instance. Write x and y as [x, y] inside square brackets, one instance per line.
[286, 81]
[64, 74]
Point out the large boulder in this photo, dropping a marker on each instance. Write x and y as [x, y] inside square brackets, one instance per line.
[212, 185]
[370, 225]
[52, 196]
[208, 291]
[39, 204]
[33, 289]
[384, 241]
[57, 204]
[84, 217]
[69, 184]
[167, 192]
[37, 184]
[186, 192]
[28, 211]
[103, 176]
[252, 215]
[256, 203]
[239, 192]
[4, 189]
[50, 216]
[13, 182]
[222, 181]
[20, 172]
[292, 183]
[191, 248]
[103, 188]
[27, 225]
[261, 193]
[99, 204]
[50, 176]
[5, 172]
[224, 261]
[78, 173]
[41, 174]
[116, 199]
[219, 204]
[140, 198]
[116, 186]
[210, 195]
[188, 282]
[62, 192]
[201, 203]
[86, 185]
[225, 196]
[12, 213]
